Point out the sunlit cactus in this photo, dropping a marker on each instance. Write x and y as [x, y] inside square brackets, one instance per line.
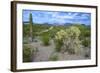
[70, 40]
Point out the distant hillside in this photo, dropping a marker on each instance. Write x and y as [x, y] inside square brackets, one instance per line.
[55, 24]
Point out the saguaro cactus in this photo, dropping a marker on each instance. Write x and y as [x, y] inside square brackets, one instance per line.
[31, 27]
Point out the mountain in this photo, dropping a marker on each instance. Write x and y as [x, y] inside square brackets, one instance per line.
[56, 24]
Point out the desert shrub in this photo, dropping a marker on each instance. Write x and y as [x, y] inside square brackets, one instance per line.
[85, 31]
[25, 30]
[26, 54]
[25, 40]
[58, 45]
[29, 53]
[45, 39]
[86, 42]
[53, 57]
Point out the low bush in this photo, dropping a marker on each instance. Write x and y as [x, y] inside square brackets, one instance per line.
[45, 39]
[58, 45]
[86, 42]
[26, 54]
[53, 57]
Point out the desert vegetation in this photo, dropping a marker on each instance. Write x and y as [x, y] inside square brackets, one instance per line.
[46, 42]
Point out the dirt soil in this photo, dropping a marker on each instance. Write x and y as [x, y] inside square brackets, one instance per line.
[44, 52]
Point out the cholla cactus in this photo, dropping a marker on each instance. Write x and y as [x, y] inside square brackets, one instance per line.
[73, 31]
[60, 35]
[59, 39]
[69, 39]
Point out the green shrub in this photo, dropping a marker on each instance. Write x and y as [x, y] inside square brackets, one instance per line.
[26, 54]
[25, 40]
[58, 45]
[45, 39]
[53, 57]
[86, 42]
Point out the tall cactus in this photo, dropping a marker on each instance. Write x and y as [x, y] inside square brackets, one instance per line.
[31, 26]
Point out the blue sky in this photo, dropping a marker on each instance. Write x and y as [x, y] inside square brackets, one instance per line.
[56, 17]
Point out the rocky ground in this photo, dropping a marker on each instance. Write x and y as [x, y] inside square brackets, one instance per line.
[44, 53]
